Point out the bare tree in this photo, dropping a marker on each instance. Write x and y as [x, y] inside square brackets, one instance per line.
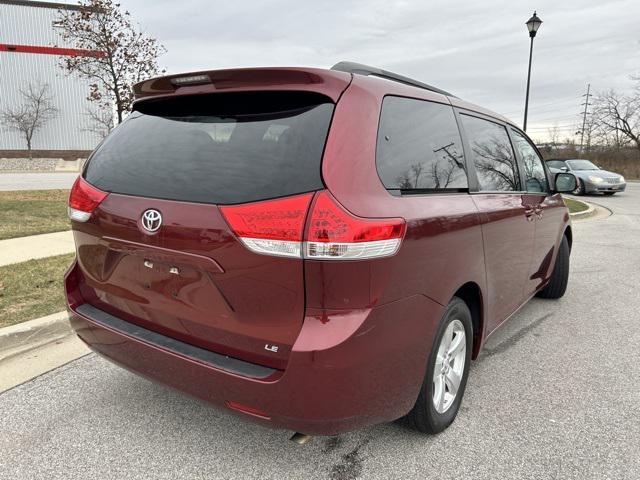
[411, 178]
[618, 116]
[35, 111]
[404, 181]
[442, 176]
[100, 121]
[494, 159]
[118, 54]
[589, 132]
[440, 173]
[554, 136]
[416, 171]
[593, 134]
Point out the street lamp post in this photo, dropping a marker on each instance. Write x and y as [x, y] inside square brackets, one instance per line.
[533, 24]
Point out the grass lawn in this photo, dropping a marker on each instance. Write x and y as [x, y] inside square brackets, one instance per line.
[30, 212]
[575, 205]
[32, 289]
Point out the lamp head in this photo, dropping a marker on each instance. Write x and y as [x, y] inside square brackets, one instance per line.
[533, 24]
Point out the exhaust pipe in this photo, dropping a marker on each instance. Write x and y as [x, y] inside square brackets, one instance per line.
[300, 438]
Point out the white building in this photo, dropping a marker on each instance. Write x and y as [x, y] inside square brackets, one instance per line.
[30, 51]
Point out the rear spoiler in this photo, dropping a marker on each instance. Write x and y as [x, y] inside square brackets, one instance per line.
[327, 82]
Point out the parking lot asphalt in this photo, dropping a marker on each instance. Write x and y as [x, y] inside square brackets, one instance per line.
[36, 181]
[555, 394]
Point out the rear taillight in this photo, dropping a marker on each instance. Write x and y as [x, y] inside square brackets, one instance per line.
[335, 234]
[83, 200]
[275, 227]
[272, 227]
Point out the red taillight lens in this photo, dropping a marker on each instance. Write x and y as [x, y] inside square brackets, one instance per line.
[330, 222]
[275, 227]
[272, 227]
[84, 199]
[333, 233]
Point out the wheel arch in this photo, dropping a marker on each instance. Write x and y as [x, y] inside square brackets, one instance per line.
[471, 294]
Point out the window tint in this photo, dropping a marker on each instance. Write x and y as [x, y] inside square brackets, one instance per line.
[492, 155]
[419, 146]
[535, 176]
[222, 150]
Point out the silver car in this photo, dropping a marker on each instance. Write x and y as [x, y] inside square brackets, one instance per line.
[590, 178]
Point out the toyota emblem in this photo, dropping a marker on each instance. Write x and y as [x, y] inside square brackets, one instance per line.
[151, 220]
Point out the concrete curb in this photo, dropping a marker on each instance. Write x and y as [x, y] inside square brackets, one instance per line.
[25, 336]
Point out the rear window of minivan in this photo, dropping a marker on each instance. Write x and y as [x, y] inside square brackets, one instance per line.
[219, 148]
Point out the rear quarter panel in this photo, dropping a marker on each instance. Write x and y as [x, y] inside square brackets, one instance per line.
[442, 249]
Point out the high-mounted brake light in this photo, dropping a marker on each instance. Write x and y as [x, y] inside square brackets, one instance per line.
[191, 80]
[272, 227]
[83, 200]
[275, 227]
[333, 233]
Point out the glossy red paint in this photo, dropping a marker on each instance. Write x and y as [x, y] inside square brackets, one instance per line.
[551, 213]
[448, 235]
[508, 236]
[354, 335]
[210, 304]
[326, 82]
[337, 370]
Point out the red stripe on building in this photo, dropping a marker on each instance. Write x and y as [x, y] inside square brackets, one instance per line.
[68, 52]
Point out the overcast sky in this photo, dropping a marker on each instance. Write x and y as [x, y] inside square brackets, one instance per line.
[476, 50]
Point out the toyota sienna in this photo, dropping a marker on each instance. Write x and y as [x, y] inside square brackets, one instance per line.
[316, 250]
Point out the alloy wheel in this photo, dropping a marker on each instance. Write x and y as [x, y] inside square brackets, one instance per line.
[449, 366]
[578, 190]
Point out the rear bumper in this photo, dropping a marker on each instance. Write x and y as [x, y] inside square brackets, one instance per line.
[347, 369]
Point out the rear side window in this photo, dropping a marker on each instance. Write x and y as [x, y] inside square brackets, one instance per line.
[419, 146]
[492, 155]
[220, 148]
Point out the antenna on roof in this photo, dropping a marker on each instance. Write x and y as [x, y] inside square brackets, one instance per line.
[360, 69]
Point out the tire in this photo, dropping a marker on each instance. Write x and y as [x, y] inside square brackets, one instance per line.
[579, 188]
[560, 276]
[424, 416]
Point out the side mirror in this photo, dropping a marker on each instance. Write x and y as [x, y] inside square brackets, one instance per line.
[565, 182]
[564, 169]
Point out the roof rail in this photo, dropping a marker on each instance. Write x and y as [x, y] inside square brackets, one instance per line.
[352, 67]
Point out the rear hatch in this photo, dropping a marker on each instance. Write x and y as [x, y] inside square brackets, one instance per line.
[159, 251]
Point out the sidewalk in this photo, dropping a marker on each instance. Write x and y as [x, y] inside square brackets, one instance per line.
[16, 250]
[36, 181]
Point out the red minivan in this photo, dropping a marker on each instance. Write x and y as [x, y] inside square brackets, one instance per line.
[315, 249]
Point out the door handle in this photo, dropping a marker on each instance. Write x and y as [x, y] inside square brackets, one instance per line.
[529, 212]
[538, 211]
